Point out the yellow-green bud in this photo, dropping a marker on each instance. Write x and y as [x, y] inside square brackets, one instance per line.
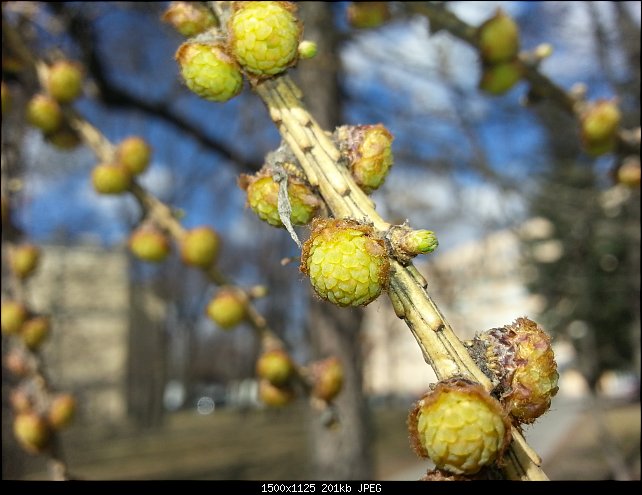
[44, 113]
[64, 81]
[134, 153]
[307, 49]
[227, 308]
[498, 38]
[111, 178]
[498, 79]
[459, 426]
[35, 331]
[31, 431]
[347, 264]
[24, 259]
[208, 71]
[600, 122]
[149, 244]
[200, 246]
[264, 36]
[13, 316]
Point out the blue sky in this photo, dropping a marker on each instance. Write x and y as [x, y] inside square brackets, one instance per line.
[412, 98]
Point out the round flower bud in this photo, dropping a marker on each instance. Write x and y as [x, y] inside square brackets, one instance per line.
[346, 263]
[275, 366]
[208, 71]
[521, 357]
[64, 81]
[498, 39]
[628, 173]
[227, 308]
[31, 431]
[24, 260]
[498, 79]
[34, 331]
[368, 149]
[61, 411]
[264, 36]
[600, 122]
[274, 396]
[13, 316]
[111, 178]
[16, 362]
[20, 401]
[327, 376]
[149, 244]
[199, 247]
[307, 49]
[134, 153]
[459, 426]
[44, 113]
[262, 197]
[189, 18]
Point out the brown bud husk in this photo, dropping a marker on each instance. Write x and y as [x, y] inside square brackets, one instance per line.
[520, 357]
[189, 18]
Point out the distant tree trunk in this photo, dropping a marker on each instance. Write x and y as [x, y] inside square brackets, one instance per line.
[345, 452]
[147, 358]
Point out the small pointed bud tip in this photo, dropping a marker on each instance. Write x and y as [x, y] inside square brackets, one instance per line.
[307, 49]
[421, 241]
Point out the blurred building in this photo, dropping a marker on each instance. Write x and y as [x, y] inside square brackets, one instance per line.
[477, 286]
[92, 350]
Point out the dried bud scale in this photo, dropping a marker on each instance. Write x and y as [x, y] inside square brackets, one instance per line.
[521, 358]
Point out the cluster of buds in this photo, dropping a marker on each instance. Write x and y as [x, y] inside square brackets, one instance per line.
[34, 424]
[261, 39]
[131, 158]
[498, 43]
[462, 427]
[277, 373]
[18, 321]
[62, 85]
